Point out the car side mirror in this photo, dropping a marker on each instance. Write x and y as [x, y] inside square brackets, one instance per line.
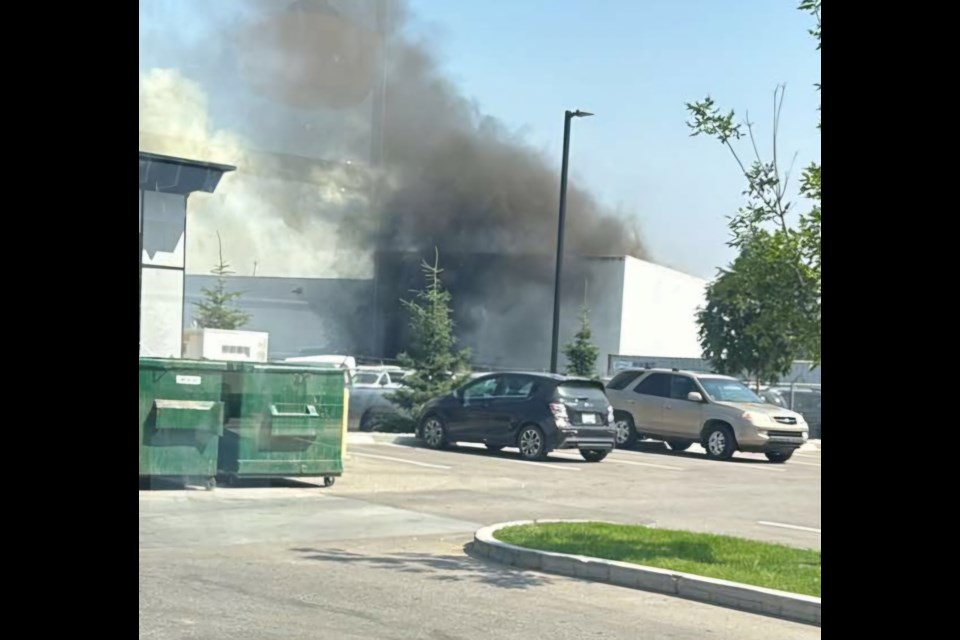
[694, 396]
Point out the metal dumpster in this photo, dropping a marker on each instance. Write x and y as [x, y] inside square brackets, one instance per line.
[181, 418]
[283, 420]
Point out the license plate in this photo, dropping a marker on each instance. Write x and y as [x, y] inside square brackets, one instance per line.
[589, 418]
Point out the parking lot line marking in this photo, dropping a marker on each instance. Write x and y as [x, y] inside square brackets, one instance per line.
[759, 467]
[545, 465]
[413, 462]
[644, 453]
[571, 456]
[806, 464]
[647, 464]
[782, 525]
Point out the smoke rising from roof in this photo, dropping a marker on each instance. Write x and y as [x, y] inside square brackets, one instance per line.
[342, 81]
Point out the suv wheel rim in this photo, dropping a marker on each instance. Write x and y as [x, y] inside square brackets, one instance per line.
[530, 443]
[433, 432]
[717, 442]
[623, 431]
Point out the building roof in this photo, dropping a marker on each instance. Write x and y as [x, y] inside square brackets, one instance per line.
[170, 174]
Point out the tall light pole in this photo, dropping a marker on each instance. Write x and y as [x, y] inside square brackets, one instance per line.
[567, 117]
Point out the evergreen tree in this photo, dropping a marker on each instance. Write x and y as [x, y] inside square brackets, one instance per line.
[218, 308]
[582, 353]
[438, 366]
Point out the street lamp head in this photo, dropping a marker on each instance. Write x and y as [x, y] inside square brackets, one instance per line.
[581, 114]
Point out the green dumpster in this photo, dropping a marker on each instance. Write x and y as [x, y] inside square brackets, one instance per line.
[283, 420]
[181, 418]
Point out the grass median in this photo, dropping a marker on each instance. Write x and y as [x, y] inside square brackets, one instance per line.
[761, 564]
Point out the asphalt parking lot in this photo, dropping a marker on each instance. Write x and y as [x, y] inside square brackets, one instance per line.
[746, 496]
[385, 552]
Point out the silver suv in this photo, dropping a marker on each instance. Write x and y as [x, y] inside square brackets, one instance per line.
[686, 407]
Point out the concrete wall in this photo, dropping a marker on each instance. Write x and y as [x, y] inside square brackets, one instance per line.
[659, 311]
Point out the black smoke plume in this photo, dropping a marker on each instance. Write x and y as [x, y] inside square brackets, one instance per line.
[450, 176]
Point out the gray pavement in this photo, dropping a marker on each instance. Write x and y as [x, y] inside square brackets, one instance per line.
[382, 553]
[747, 496]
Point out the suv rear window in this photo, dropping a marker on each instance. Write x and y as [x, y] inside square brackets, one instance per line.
[622, 379]
[588, 390]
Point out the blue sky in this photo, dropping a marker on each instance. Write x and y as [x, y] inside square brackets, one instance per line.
[635, 63]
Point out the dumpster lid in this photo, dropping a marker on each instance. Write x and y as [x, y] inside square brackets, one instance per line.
[181, 364]
[288, 367]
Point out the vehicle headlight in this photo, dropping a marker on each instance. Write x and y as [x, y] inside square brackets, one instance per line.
[610, 415]
[757, 419]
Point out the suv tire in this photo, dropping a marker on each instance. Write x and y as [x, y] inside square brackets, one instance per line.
[627, 435]
[719, 441]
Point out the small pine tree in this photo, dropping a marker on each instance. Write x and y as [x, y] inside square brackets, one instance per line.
[438, 367]
[582, 354]
[217, 310]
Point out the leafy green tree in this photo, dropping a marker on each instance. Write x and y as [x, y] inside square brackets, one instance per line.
[749, 324]
[779, 262]
[218, 308]
[582, 353]
[438, 366]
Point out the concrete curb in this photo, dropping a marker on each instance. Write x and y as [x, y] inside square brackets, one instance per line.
[780, 604]
[360, 437]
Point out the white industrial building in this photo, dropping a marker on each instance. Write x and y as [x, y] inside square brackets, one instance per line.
[654, 313]
[504, 315]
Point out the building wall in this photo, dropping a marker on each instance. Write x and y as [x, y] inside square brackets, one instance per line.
[503, 304]
[299, 313]
[659, 311]
[503, 308]
[603, 279]
[163, 217]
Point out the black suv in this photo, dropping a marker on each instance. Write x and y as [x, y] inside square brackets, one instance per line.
[535, 412]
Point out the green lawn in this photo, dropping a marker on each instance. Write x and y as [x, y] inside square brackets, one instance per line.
[757, 563]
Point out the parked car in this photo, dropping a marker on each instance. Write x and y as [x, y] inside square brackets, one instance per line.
[370, 405]
[686, 407]
[378, 376]
[535, 412]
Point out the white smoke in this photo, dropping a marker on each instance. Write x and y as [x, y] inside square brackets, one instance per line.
[286, 227]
